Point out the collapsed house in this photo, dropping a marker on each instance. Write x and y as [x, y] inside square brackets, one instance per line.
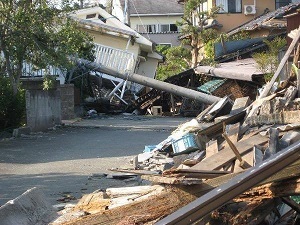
[235, 163]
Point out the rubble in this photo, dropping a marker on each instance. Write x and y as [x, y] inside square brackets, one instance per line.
[232, 162]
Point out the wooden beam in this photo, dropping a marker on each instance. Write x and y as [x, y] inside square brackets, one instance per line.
[242, 162]
[226, 155]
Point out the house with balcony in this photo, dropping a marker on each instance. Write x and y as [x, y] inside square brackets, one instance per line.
[155, 20]
[118, 47]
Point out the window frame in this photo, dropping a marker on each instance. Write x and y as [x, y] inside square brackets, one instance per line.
[231, 12]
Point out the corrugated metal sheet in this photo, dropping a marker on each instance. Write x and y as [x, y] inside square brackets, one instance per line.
[244, 69]
[210, 86]
[233, 46]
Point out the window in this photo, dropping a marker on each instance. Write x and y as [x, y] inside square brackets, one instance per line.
[230, 6]
[173, 27]
[157, 28]
[89, 16]
[164, 27]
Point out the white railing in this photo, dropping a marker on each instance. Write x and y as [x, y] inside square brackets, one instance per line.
[30, 71]
[116, 59]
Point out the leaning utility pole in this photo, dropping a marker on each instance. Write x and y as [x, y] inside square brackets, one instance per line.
[149, 82]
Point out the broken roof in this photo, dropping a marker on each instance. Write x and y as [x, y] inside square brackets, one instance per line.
[244, 69]
[101, 20]
[154, 7]
[268, 20]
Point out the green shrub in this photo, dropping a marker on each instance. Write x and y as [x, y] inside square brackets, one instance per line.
[12, 107]
[268, 61]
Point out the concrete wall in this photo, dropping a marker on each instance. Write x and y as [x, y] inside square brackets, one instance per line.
[67, 101]
[43, 108]
[167, 38]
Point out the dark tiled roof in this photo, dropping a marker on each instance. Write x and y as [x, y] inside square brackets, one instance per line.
[162, 7]
[265, 20]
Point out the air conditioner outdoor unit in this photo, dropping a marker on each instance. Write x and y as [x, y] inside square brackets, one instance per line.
[249, 9]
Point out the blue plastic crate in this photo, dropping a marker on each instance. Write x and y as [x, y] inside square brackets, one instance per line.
[149, 148]
[185, 144]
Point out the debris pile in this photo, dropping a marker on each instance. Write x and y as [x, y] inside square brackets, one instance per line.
[235, 163]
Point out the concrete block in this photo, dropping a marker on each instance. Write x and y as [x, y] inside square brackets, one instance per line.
[157, 110]
[240, 104]
[30, 208]
[21, 130]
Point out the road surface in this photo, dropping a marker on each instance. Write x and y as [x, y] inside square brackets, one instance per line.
[72, 160]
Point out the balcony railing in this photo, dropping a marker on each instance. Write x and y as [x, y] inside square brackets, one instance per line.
[116, 59]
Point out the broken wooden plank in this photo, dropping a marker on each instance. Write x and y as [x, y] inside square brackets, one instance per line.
[240, 104]
[140, 190]
[242, 163]
[284, 188]
[192, 173]
[158, 179]
[227, 155]
[93, 203]
[217, 128]
[138, 172]
[211, 148]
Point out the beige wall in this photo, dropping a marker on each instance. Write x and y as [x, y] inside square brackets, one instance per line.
[114, 42]
[232, 20]
[148, 68]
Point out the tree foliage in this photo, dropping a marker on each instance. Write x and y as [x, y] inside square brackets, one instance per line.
[12, 106]
[268, 61]
[39, 34]
[196, 33]
[177, 59]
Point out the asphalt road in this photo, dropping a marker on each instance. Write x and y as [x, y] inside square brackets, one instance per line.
[69, 161]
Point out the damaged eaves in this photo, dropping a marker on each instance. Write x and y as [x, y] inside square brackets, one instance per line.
[266, 20]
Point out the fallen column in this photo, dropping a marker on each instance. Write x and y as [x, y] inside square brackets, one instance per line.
[149, 82]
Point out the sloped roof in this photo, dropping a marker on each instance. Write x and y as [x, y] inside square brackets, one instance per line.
[153, 7]
[112, 25]
[268, 20]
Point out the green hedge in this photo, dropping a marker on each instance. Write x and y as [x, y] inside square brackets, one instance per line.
[12, 107]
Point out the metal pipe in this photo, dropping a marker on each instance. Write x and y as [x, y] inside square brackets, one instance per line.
[115, 89]
[149, 82]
